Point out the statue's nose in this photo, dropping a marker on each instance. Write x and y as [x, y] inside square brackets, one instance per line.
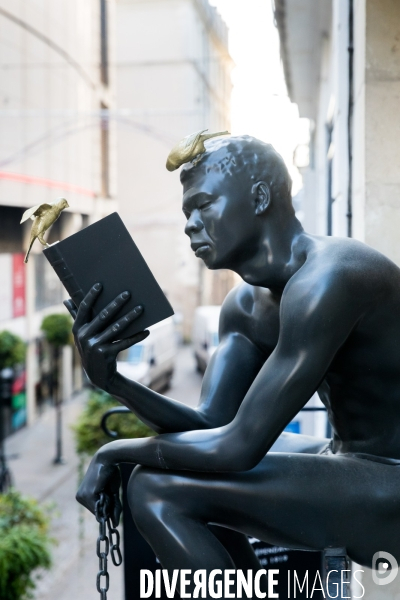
[194, 223]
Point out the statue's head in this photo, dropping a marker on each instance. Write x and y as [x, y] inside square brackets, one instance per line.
[230, 193]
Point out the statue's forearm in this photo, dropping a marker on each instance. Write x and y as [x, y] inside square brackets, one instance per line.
[159, 412]
[276, 395]
[208, 451]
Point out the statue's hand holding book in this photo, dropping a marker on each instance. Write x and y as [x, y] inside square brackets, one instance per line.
[101, 339]
[114, 295]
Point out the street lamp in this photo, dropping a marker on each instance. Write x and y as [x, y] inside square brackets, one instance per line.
[57, 331]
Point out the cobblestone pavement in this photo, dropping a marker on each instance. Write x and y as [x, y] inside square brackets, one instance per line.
[75, 530]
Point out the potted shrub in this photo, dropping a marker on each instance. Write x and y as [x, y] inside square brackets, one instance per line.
[24, 544]
[89, 436]
[12, 350]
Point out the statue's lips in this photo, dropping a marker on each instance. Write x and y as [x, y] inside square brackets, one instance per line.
[200, 248]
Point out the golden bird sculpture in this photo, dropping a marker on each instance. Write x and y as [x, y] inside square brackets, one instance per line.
[189, 148]
[43, 217]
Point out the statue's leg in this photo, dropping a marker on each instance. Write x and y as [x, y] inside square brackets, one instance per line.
[236, 543]
[302, 501]
[240, 550]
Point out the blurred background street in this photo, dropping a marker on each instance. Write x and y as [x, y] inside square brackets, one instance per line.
[93, 96]
[74, 528]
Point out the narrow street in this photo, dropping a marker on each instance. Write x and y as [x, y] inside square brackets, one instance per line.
[75, 530]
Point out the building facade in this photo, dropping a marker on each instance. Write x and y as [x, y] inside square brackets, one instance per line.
[173, 78]
[342, 67]
[56, 140]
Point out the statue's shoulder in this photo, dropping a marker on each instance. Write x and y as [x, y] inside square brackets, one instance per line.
[339, 257]
[340, 269]
[244, 305]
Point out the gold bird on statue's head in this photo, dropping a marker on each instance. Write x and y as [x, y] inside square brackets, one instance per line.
[43, 217]
[191, 147]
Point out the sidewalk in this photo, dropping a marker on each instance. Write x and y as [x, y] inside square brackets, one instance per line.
[75, 563]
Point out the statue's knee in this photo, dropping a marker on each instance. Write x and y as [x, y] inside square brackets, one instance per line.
[145, 492]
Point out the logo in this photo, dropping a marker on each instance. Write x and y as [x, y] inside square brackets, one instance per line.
[384, 568]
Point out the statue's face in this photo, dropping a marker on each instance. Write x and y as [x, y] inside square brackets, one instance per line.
[221, 222]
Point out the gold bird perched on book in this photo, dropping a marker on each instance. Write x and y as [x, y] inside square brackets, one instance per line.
[191, 147]
[43, 217]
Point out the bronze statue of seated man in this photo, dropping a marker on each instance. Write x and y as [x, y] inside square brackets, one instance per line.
[312, 314]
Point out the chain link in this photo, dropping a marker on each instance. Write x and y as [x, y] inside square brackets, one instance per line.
[103, 544]
[116, 555]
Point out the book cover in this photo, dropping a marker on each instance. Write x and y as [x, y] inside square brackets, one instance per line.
[105, 253]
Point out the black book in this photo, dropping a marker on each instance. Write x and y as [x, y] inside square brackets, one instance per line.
[105, 253]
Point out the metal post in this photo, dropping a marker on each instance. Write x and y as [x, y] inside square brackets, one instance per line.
[137, 552]
[6, 379]
[57, 395]
[59, 457]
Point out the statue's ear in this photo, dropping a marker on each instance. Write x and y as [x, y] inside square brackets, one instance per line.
[262, 196]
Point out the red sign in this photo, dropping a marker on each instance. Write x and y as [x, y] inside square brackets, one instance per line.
[18, 275]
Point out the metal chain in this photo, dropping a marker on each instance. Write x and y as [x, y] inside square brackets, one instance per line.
[103, 544]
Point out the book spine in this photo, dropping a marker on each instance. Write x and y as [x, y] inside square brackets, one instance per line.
[64, 274]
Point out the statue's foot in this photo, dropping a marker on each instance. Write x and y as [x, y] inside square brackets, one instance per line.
[197, 159]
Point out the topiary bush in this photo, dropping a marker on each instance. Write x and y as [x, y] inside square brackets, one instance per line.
[89, 436]
[24, 544]
[12, 350]
[57, 329]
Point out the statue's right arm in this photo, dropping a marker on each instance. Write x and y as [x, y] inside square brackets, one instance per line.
[228, 377]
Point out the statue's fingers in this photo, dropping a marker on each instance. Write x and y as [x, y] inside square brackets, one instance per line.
[114, 331]
[84, 311]
[107, 314]
[71, 307]
[116, 510]
[128, 342]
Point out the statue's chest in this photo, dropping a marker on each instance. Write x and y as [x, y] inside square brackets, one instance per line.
[263, 325]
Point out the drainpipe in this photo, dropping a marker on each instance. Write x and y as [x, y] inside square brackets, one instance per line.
[350, 112]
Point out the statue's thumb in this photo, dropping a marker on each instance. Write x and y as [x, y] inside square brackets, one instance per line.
[135, 339]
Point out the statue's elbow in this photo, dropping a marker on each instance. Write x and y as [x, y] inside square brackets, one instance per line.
[246, 463]
[238, 460]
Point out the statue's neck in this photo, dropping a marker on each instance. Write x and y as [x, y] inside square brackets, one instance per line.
[279, 254]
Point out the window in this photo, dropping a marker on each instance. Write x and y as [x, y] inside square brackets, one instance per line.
[133, 355]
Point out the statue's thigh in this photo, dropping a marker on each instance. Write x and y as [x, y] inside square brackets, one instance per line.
[305, 501]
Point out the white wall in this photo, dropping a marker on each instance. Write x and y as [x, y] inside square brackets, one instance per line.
[340, 95]
[382, 126]
[332, 111]
[50, 96]
[376, 127]
[48, 101]
[173, 78]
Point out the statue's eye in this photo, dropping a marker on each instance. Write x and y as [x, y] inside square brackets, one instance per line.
[205, 205]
